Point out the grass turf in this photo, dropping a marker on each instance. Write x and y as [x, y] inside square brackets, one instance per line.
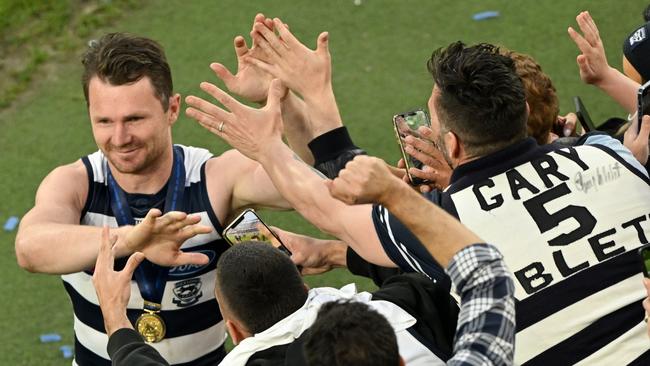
[379, 50]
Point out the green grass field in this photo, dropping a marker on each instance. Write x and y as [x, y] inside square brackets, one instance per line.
[379, 50]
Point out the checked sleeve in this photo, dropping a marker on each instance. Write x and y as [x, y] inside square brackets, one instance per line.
[485, 334]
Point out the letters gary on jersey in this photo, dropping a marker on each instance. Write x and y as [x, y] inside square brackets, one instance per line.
[246, 227]
[405, 124]
[564, 206]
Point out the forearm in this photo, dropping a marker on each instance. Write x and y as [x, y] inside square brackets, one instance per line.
[485, 333]
[302, 186]
[620, 88]
[322, 110]
[62, 248]
[442, 234]
[297, 127]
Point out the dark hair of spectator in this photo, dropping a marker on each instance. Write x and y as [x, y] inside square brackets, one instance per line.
[120, 59]
[482, 99]
[541, 96]
[351, 333]
[259, 284]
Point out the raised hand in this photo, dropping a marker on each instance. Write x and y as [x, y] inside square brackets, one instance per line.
[250, 82]
[592, 60]
[160, 237]
[251, 131]
[364, 180]
[113, 288]
[303, 70]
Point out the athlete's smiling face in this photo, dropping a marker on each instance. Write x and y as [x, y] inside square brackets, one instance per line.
[130, 125]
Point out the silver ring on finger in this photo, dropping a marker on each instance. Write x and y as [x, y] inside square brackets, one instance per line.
[220, 128]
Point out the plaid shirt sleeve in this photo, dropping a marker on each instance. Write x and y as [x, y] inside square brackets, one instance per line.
[485, 334]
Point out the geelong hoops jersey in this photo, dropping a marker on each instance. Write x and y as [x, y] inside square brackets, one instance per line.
[568, 222]
[195, 328]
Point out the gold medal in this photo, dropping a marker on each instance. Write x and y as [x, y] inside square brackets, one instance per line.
[151, 326]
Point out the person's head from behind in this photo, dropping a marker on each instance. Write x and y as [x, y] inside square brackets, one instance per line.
[478, 104]
[128, 87]
[351, 333]
[541, 96]
[257, 286]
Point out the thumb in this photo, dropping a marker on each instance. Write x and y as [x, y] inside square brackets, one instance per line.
[152, 214]
[191, 258]
[322, 45]
[645, 128]
[222, 72]
[276, 91]
[134, 261]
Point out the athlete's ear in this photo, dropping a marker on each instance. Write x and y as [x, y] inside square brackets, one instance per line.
[174, 108]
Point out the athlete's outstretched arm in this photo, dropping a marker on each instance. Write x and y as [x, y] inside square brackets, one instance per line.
[51, 240]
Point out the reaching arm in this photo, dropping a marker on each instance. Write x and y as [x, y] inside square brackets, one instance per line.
[594, 68]
[256, 133]
[50, 239]
[486, 330]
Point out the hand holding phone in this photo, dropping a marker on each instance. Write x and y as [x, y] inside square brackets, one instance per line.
[643, 104]
[583, 117]
[406, 124]
[249, 227]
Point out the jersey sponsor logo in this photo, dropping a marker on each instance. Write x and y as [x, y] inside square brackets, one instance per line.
[187, 292]
[190, 269]
[564, 211]
[638, 36]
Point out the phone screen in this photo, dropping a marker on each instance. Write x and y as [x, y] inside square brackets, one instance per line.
[246, 227]
[643, 103]
[407, 124]
[644, 252]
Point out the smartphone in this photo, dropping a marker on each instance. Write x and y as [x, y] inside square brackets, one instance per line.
[583, 117]
[407, 124]
[644, 253]
[246, 227]
[643, 104]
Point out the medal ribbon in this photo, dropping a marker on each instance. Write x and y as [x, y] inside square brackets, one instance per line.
[151, 278]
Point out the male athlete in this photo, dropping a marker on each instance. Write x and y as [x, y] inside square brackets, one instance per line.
[179, 197]
[566, 220]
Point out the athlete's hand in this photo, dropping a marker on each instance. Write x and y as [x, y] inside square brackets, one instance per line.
[160, 237]
[364, 180]
[113, 288]
[646, 303]
[313, 255]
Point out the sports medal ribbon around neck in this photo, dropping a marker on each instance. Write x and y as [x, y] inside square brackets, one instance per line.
[151, 278]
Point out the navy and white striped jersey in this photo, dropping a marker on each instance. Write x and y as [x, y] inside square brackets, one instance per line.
[195, 328]
[568, 222]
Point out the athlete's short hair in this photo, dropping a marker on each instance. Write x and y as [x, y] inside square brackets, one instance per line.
[122, 58]
[351, 333]
[481, 99]
[259, 284]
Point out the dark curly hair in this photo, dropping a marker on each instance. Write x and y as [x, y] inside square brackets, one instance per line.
[482, 99]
